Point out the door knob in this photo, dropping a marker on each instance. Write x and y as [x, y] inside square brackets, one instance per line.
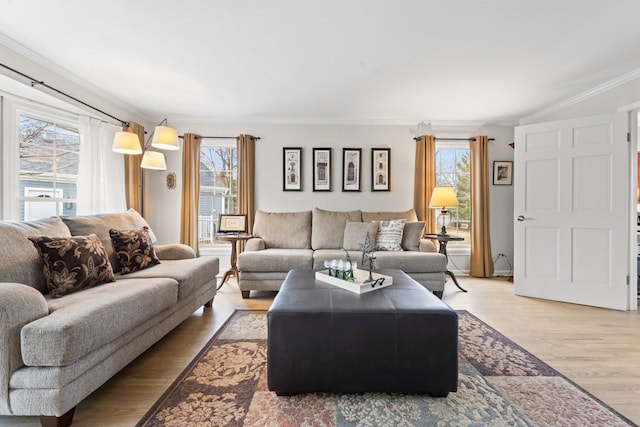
[520, 218]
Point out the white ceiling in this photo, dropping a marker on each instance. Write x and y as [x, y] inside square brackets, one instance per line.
[333, 61]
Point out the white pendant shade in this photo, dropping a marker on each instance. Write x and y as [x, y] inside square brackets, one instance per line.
[126, 143]
[153, 160]
[443, 197]
[165, 138]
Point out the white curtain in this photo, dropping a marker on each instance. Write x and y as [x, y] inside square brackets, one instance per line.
[100, 171]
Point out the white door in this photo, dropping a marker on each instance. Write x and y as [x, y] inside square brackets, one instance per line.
[572, 205]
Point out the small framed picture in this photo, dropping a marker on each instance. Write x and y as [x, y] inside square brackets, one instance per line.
[380, 169]
[502, 173]
[232, 223]
[351, 169]
[322, 169]
[292, 169]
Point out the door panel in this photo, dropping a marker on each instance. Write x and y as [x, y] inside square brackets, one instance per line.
[571, 187]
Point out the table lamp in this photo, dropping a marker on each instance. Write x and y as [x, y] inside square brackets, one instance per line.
[443, 198]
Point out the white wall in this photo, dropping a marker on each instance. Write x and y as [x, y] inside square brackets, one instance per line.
[163, 205]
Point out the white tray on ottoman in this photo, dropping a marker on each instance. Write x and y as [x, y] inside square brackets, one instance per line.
[359, 285]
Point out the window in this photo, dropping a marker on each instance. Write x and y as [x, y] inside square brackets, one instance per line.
[453, 168]
[48, 167]
[218, 187]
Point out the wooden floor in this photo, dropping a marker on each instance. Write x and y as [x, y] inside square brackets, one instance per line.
[596, 348]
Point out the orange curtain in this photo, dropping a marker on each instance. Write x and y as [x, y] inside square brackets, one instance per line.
[190, 190]
[132, 171]
[425, 180]
[481, 258]
[246, 145]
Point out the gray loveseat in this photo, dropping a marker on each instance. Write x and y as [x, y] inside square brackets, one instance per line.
[287, 240]
[56, 351]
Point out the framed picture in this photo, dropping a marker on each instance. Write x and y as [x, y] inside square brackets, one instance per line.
[380, 169]
[292, 169]
[351, 169]
[502, 173]
[232, 223]
[322, 169]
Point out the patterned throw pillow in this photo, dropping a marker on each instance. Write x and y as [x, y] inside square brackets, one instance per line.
[133, 249]
[73, 263]
[390, 235]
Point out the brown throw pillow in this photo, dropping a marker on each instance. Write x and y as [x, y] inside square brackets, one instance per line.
[133, 249]
[73, 263]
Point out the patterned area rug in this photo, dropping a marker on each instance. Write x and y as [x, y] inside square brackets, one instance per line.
[500, 384]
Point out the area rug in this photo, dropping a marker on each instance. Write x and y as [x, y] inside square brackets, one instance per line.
[500, 384]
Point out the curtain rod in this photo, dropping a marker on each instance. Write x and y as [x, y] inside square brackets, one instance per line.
[455, 139]
[218, 137]
[35, 82]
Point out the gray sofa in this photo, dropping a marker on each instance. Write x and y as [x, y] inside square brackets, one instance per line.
[56, 351]
[287, 240]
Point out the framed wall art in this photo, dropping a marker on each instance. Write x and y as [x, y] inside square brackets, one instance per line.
[351, 169]
[232, 223]
[502, 173]
[380, 169]
[292, 169]
[322, 169]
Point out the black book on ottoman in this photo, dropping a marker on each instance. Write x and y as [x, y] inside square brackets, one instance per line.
[401, 338]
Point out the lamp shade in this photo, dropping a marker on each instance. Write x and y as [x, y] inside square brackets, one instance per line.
[126, 143]
[153, 160]
[165, 138]
[443, 197]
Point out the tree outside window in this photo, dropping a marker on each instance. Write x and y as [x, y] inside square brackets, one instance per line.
[218, 188]
[49, 154]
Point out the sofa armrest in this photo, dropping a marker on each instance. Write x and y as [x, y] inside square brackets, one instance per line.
[426, 245]
[174, 251]
[255, 244]
[19, 305]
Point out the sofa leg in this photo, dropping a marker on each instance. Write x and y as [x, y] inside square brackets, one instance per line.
[209, 303]
[245, 294]
[438, 294]
[62, 421]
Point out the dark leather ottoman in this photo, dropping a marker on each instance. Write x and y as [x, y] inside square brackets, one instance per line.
[401, 338]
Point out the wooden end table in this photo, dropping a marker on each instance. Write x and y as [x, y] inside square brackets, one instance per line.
[234, 239]
[443, 239]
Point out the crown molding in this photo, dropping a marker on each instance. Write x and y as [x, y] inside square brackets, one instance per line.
[337, 121]
[620, 80]
[35, 57]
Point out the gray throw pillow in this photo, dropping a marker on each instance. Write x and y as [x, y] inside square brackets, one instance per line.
[411, 235]
[355, 234]
[390, 235]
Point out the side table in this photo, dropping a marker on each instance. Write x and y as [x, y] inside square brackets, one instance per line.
[443, 239]
[234, 239]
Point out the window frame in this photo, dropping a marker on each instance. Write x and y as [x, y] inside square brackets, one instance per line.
[12, 109]
[461, 248]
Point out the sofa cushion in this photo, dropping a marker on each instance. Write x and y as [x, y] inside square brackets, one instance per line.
[390, 235]
[73, 263]
[328, 227]
[102, 223]
[411, 235]
[409, 215]
[355, 233]
[133, 249]
[412, 262]
[284, 230]
[84, 321]
[190, 274]
[275, 260]
[20, 260]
